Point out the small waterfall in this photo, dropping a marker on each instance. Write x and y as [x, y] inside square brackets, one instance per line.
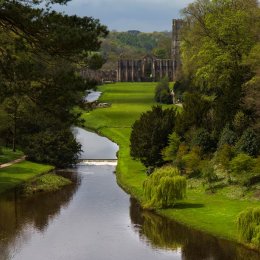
[99, 162]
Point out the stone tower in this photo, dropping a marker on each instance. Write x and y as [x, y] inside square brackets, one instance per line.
[176, 41]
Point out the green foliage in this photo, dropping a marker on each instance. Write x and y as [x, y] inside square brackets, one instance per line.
[203, 140]
[248, 224]
[248, 143]
[224, 155]
[209, 174]
[164, 187]
[41, 53]
[95, 61]
[194, 114]
[150, 135]
[240, 122]
[169, 152]
[58, 148]
[217, 35]
[162, 92]
[191, 161]
[242, 163]
[45, 183]
[227, 137]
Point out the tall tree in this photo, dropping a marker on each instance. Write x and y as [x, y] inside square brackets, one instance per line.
[216, 36]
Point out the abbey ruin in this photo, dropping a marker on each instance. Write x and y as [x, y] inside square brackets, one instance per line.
[149, 68]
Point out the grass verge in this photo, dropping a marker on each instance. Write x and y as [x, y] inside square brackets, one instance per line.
[7, 155]
[213, 213]
[20, 172]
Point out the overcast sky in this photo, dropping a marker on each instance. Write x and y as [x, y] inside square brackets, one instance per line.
[123, 15]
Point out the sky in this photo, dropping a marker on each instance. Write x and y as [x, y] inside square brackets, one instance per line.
[123, 15]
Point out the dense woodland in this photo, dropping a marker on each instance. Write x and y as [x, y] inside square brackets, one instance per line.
[40, 53]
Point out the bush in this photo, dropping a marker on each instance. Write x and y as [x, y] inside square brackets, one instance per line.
[191, 161]
[224, 155]
[249, 226]
[209, 174]
[164, 187]
[150, 135]
[58, 148]
[169, 152]
[242, 163]
[227, 137]
[162, 92]
[203, 139]
[248, 143]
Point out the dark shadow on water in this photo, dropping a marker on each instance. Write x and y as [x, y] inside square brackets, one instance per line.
[188, 205]
[162, 233]
[17, 213]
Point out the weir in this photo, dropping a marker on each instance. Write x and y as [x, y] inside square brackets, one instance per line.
[82, 162]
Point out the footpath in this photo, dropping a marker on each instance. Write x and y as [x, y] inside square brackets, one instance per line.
[4, 165]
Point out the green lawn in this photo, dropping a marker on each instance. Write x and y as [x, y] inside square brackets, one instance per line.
[20, 172]
[215, 214]
[7, 155]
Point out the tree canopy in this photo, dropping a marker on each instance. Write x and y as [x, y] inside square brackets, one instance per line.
[41, 52]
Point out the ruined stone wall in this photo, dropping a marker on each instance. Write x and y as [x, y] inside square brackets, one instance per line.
[145, 70]
[176, 42]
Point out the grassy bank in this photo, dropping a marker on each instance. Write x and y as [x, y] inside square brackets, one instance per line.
[7, 155]
[212, 213]
[18, 173]
[45, 183]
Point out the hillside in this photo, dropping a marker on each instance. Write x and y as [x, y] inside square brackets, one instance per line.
[134, 45]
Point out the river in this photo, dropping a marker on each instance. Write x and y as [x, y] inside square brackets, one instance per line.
[94, 219]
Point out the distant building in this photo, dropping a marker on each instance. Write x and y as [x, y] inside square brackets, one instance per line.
[149, 68]
[176, 42]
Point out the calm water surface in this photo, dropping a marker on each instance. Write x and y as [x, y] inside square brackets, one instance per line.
[93, 219]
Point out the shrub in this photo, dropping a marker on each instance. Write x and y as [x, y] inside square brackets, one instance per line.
[203, 139]
[249, 226]
[162, 92]
[242, 163]
[224, 155]
[191, 161]
[227, 137]
[164, 187]
[150, 135]
[58, 148]
[170, 151]
[248, 143]
[209, 174]
[240, 122]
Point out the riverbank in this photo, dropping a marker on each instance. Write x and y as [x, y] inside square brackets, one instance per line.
[212, 213]
[19, 173]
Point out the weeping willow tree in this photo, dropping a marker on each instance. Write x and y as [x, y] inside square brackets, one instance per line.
[164, 187]
[249, 226]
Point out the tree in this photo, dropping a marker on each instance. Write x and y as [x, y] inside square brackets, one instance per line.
[162, 92]
[164, 187]
[150, 135]
[41, 52]
[248, 143]
[95, 61]
[216, 36]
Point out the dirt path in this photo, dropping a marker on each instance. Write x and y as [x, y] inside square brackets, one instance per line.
[4, 165]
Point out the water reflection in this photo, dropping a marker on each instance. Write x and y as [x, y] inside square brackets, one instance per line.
[19, 216]
[162, 233]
